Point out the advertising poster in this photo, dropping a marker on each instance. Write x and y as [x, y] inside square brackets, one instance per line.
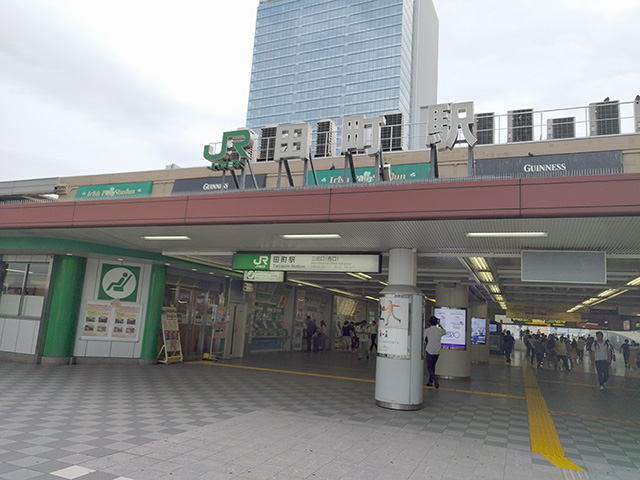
[170, 331]
[104, 321]
[126, 322]
[479, 330]
[393, 327]
[454, 321]
[96, 319]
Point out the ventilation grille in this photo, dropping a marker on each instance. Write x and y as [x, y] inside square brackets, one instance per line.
[520, 127]
[561, 127]
[604, 117]
[392, 133]
[326, 138]
[484, 128]
[267, 144]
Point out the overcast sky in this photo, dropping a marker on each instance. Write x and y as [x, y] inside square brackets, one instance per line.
[101, 86]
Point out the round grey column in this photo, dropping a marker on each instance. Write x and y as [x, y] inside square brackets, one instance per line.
[399, 363]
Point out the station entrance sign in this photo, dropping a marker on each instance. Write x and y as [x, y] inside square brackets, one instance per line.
[317, 262]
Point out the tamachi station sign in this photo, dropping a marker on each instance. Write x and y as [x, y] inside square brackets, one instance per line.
[317, 262]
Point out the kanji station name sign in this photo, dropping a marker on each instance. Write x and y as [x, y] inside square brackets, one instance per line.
[296, 262]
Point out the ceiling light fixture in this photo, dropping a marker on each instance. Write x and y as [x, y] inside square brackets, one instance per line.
[372, 298]
[479, 262]
[606, 293]
[359, 276]
[166, 237]
[486, 276]
[507, 234]
[308, 284]
[634, 282]
[342, 292]
[307, 236]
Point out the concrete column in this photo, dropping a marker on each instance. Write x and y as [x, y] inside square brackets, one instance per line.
[399, 363]
[66, 296]
[454, 363]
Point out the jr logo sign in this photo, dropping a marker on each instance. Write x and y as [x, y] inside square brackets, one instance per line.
[239, 142]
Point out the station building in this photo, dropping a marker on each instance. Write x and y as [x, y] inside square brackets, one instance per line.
[88, 263]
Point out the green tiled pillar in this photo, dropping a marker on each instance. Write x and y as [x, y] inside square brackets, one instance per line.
[66, 296]
[154, 311]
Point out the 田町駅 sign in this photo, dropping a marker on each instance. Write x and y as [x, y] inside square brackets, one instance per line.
[317, 262]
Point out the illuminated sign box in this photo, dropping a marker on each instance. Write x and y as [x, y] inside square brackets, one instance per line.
[454, 321]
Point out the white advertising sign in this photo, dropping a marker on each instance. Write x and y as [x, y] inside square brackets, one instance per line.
[393, 327]
[454, 321]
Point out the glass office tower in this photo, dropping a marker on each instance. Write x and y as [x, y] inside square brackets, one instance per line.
[327, 59]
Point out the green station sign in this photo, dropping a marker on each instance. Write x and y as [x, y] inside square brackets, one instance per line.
[413, 171]
[114, 190]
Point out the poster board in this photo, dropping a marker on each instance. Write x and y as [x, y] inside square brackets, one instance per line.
[111, 321]
[454, 321]
[171, 351]
[393, 326]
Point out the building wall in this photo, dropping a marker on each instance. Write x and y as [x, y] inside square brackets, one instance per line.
[451, 163]
[112, 348]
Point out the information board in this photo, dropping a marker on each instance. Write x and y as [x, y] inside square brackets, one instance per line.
[454, 321]
[479, 330]
[171, 350]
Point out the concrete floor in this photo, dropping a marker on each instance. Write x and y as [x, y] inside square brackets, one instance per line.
[305, 415]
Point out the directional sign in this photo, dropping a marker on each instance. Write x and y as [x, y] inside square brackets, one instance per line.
[317, 262]
[263, 276]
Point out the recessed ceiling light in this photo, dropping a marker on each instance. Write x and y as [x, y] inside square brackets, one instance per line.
[166, 237]
[507, 234]
[310, 236]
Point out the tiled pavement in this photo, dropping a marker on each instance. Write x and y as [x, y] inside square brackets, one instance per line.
[188, 421]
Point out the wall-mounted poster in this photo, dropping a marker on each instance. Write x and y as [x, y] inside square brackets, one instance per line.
[104, 321]
[479, 330]
[393, 326]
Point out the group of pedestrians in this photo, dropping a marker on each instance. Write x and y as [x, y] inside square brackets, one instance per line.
[560, 352]
[359, 337]
[315, 335]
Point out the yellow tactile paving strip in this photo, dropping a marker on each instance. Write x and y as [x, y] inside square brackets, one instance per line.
[544, 437]
[292, 372]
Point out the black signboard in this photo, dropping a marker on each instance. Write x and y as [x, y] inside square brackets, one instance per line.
[587, 163]
[192, 186]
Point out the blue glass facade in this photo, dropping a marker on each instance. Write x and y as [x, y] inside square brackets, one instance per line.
[326, 59]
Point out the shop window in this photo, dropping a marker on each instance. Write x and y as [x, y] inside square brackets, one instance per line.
[24, 288]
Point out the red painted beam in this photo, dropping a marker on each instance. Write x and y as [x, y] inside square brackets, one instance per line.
[481, 199]
[581, 196]
[284, 206]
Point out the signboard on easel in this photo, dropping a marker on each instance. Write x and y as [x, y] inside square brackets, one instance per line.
[171, 351]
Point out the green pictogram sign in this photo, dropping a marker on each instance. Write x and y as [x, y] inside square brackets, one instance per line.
[119, 282]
